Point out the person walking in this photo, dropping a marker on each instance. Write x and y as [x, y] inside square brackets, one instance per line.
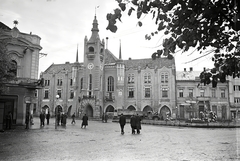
[138, 124]
[84, 121]
[122, 122]
[9, 120]
[133, 123]
[48, 117]
[27, 120]
[73, 118]
[42, 119]
[106, 117]
[64, 119]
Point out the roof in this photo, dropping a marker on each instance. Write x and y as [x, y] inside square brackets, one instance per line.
[56, 68]
[150, 63]
[109, 57]
[3, 26]
[187, 75]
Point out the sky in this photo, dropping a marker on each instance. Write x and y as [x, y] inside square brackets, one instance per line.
[63, 25]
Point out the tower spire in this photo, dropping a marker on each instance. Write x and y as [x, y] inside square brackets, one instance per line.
[77, 54]
[120, 51]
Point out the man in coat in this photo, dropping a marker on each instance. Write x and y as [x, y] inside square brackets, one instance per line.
[42, 119]
[133, 123]
[48, 117]
[84, 121]
[122, 122]
[138, 123]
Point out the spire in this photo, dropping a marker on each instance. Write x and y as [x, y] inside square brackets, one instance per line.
[120, 51]
[77, 54]
[94, 30]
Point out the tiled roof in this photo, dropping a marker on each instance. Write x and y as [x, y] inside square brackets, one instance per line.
[109, 57]
[56, 68]
[187, 75]
[150, 63]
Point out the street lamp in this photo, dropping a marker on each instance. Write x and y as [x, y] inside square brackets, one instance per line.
[56, 112]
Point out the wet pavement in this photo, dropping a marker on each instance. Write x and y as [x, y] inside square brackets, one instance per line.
[103, 142]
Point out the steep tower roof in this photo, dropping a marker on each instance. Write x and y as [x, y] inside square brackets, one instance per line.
[94, 30]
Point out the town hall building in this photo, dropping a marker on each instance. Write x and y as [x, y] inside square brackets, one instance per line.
[104, 83]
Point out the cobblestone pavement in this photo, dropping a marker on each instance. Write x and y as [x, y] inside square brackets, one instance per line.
[103, 142]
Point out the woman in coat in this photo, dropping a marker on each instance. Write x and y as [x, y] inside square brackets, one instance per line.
[84, 121]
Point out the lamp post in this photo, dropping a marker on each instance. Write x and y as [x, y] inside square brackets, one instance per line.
[56, 112]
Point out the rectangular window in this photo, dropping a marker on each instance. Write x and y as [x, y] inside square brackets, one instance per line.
[59, 93]
[180, 92]
[46, 82]
[162, 78]
[130, 92]
[236, 88]
[190, 94]
[46, 94]
[59, 82]
[213, 93]
[201, 92]
[236, 99]
[164, 92]
[71, 82]
[166, 78]
[36, 93]
[147, 92]
[71, 94]
[222, 93]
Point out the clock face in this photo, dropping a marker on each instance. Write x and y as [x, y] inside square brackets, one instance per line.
[90, 66]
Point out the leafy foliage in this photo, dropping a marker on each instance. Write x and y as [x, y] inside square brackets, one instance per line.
[6, 68]
[192, 24]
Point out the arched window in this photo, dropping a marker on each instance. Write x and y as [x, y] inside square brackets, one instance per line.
[13, 68]
[91, 49]
[110, 84]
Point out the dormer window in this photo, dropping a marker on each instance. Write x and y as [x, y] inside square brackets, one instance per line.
[91, 49]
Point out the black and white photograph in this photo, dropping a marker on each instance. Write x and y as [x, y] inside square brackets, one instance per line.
[120, 80]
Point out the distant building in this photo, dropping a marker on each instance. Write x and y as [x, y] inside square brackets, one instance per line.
[234, 97]
[20, 96]
[103, 83]
[194, 98]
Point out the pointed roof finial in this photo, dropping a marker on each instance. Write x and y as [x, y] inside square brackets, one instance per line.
[77, 54]
[120, 51]
[15, 23]
[96, 9]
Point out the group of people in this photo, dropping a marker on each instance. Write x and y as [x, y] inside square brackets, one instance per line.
[135, 123]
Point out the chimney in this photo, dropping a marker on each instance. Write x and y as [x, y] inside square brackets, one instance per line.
[184, 69]
[191, 69]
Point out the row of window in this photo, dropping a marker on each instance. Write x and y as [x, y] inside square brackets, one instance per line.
[59, 82]
[202, 93]
[59, 93]
[147, 78]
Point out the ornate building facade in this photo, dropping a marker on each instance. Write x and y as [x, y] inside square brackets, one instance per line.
[20, 96]
[104, 83]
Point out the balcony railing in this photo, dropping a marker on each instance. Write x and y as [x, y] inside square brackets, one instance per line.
[28, 83]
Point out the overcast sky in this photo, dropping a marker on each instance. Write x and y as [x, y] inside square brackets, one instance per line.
[62, 24]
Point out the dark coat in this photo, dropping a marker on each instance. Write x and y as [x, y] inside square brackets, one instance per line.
[138, 122]
[42, 117]
[48, 116]
[85, 120]
[122, 120]
[133, 122]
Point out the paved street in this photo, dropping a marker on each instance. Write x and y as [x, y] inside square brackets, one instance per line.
[103, 142]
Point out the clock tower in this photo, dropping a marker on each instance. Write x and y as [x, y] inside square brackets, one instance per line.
[92, 95]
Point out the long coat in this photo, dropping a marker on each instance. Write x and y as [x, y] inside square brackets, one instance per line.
[133, 122]
[138, 122]
[85, 120]
[122, 120]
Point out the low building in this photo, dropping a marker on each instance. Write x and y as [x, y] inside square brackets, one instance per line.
[194, 97]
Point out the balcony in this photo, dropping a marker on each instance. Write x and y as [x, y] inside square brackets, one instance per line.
[90, 55]
[203, 98]
[28, 83]
[109, 98]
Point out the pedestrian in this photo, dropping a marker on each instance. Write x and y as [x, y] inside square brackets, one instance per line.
[58, 118]
[73, 118]
[122, 122]
[106, 118]
[27, 119]
[64, 119]
[103, 117]
[48, 117]
[42, 119]
[9, 120]
[133, 123]
[84, 121]
[138, 124]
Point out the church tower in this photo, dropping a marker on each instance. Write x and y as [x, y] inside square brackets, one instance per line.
[94, 50]
[120, 80]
